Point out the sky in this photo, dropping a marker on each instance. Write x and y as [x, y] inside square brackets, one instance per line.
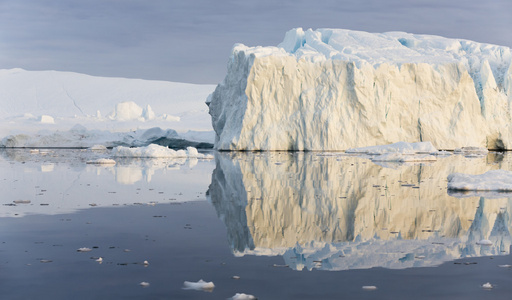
[191, 40]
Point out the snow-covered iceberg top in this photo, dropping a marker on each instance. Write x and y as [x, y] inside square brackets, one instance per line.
[377, 48]
[495, 180]
[335, 89]
[157, 151]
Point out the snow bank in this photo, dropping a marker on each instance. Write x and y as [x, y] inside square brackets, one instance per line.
[39, 106]
[333, 89]
[157, 151]
[495, 180]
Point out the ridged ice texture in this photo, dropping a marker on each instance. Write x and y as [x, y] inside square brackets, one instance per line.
[333, 89]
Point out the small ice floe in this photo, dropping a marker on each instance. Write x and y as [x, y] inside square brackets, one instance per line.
[84, 249]
[236, 277]
[21, 201]
[487, 286]
[397, 157]
[471, 151]
[144, 284]
[484, 243]
[101, 161]
[399, 147]
[98, 148]
[242, 296]
[369, 287]
[495, 180]
[100, 259]
[505, 266]
[145, 263]
[45, 261]
[201, 285]
[157, 151]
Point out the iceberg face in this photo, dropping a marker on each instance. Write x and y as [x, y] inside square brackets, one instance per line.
[334, 89]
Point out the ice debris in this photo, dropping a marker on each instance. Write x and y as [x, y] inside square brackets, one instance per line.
[201, 285]
[369, 287]
[101, 161]
[396, 148]
[242, 296]
[84, 249]
[487, 286]
[494, 180]
[144, 284]
[484, 243]
[157, 151]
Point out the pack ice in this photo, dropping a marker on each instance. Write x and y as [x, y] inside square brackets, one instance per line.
[334, 89]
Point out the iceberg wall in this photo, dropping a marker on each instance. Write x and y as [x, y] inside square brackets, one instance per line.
[333, 89]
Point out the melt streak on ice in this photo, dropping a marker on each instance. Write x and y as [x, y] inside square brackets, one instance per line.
[334, 89]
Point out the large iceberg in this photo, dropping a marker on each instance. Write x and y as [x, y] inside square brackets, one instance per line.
[334, 89]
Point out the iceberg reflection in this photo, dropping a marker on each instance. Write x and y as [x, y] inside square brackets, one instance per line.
[336, 212]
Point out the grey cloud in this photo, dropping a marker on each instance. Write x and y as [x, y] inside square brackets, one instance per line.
[190, 41]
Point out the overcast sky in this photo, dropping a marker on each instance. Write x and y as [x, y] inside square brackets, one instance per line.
[190, 40]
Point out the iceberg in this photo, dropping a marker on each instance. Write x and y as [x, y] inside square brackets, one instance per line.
[335, 89]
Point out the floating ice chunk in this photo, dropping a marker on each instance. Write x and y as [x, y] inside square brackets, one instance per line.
[505, 266]
[471, 151]
[487, 286]
[144, 284]
[84, 249]
[242, 296]
[400, 147]
[102, 161]
[145, 263]
[21, 201]
[157, 151]
[484, 243]
[100, 259]
[397, 157]
[495, 180]
[201, 285]
[45, 119]
[369, 287]
[98, 148]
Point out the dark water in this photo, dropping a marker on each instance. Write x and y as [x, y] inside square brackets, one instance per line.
[291, 226]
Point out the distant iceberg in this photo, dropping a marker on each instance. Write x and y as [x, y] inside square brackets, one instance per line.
[334, 89]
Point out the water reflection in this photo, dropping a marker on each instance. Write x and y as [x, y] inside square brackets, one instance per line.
[335, 212]
[59, 181]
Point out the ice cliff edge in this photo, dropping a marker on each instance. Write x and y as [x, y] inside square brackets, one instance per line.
[333, 89]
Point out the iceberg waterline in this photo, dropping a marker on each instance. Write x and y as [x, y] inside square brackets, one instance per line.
[334, 89]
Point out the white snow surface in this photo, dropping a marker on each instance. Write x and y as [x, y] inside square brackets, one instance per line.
[495, 180]
[333, 89]
[45, 108]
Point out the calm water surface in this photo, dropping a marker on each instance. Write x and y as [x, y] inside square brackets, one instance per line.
[290, 225]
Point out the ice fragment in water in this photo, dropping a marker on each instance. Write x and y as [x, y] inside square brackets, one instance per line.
[484, 243]
[369, 287]
[201, 285]
[242, 296]
[487, 285]
[144, 284]
[84, 249]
